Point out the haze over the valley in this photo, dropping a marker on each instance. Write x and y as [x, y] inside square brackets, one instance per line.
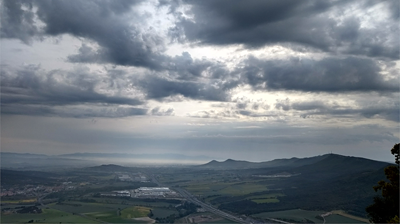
[249, 80]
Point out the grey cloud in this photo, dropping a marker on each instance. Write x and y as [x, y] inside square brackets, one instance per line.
[157, 111]
[282, 104]
[390, 113]
[100, 21]
[186, 67]
[257, 23]
[227, 113]
[103, 21]
[112, 35]
[329, 74]
[17, 20]
[308, 109]
[35, 91]
[159, 88]
[394, 8]
[85, 111]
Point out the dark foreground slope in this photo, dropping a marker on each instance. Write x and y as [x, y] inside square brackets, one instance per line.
[333, 182]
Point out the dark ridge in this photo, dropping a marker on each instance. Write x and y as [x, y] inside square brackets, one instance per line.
[326, 162]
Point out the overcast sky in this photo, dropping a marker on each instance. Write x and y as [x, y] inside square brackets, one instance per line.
[251, 80]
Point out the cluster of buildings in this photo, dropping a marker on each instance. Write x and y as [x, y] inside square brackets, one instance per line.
[33, 190]
[144, 192]
[153, 192]
[137, 177]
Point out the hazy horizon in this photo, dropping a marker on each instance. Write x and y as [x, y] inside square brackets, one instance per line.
[253, 80]
[157, 159]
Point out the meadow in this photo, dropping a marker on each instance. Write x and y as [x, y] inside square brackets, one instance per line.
[135, 212]
[81, 207]
[47, 216]
[305, 216]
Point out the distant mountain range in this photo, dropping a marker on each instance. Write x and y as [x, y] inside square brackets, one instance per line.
[40, 161]
[165, 156]
[324, 163]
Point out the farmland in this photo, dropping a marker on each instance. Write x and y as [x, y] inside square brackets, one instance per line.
[135, 212]
[98, 194]
[47, 216]
[304, 216]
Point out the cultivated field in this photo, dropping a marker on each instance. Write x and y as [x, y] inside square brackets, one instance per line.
[47, 216]
[135, 212]
[304, 216]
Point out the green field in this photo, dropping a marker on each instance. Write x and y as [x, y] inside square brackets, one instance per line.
[110, 216]
[243, 188]
[47, 216]
[135, 212]
[295, 215]
[23, 201]
[223, 188]
[266, 200]
[81, 207]
[298, 215]
[340, 219]
[262, 196]
[163, 212]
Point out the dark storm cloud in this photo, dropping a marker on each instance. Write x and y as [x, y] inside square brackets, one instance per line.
[17, 20]
[32, 86]
[158, 88]
[257, 23]
[103, 22]
[112, 35]
[325, 75]
[187, 68]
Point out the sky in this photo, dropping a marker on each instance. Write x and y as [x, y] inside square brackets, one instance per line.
[250, 80]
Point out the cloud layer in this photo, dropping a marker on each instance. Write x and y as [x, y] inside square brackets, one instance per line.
[338, 47]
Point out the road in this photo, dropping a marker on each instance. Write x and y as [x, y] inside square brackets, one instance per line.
[208, 207]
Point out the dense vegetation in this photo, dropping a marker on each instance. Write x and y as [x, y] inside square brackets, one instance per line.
[386, 207]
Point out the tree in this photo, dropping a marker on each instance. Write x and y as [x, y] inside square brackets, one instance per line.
[386, 207]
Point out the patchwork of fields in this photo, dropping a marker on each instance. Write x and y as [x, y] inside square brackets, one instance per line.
[47, 216]
[113, 210]
[304, 216]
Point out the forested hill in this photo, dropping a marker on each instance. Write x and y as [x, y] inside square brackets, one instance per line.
[327, 182]
[325, 162]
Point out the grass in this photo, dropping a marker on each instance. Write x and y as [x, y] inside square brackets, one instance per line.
[110, 217]
[262, 196]
[135, 212]
[163, 212]
[221, 221]
[243, 188]
[266, 200]
[87, 207]
[295, 215]
[32, 200]
[340, 219]
[343, 213]
[47, 216]
[226, 188]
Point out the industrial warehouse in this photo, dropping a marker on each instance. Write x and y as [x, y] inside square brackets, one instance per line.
[144, 192]
[154, 192]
